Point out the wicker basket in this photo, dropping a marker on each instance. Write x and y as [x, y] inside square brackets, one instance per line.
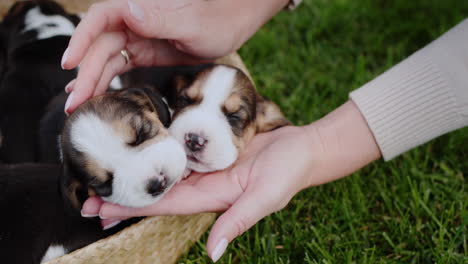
[155, 240]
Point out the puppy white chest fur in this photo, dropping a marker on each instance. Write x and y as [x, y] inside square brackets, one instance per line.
[53, 252]
[47, 26]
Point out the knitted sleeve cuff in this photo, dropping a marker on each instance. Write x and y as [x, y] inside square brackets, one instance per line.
[416, 100]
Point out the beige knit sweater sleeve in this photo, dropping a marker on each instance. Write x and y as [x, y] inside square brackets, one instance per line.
[421, 98]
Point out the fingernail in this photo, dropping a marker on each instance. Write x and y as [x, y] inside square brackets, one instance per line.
[64, 58]
[136, 11]
[219, 249]
[111, 225]
[67, 104]
[88, 215]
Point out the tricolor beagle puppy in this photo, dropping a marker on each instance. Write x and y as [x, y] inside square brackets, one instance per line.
[33, 36]
[115, 145]
[119, 142]
[216, 111]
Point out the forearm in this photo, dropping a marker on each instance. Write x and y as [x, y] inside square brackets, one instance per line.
[343, 144]
[421, 98]
[417, 100]
[251, 15]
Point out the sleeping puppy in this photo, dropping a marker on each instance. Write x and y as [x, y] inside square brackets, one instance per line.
[216, 111]
[33, 36]
[42, 220]
[118, 143]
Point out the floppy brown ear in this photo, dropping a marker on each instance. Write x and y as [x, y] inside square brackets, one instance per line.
[72, 189]
[269, 116]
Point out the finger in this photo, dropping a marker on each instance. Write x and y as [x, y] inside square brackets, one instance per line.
[115, 66]
[165, 54]
[91, 206]
[100, 18]
[248, 210]
[92, 67]
[150, 19]
[199, 193]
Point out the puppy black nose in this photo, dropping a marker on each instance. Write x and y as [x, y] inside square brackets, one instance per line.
[195, 142]
[156, 187]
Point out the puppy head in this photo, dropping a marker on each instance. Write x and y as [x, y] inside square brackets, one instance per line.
[216, 114]
[118, 147]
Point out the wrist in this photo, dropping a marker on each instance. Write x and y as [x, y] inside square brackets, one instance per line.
[255, 14]
[342, 142]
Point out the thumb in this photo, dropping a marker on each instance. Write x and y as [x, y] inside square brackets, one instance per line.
[250, 208]
[162, 19]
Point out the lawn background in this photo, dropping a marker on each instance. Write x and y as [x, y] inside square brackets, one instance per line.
[410, 210]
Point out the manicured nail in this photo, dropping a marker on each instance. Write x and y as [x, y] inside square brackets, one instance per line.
[67, 104]
[111, 225]
[88, 215]
[64, 58]
[219, 249]
[136, 11]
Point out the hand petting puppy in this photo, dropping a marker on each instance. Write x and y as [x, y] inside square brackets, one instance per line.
[156, 33]
[272, 169]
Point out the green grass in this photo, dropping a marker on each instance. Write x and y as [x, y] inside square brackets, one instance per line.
[410, 210]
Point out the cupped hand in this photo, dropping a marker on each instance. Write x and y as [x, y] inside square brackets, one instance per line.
[272, 169]
[263, 180]
[156, 33]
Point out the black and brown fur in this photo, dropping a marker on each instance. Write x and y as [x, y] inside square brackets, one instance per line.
[246, 110]
[39, 214]
[30, 77]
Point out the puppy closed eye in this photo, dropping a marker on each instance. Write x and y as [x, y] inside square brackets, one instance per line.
[143, 132]
[184, 101]
[141, 135]
[234, 119]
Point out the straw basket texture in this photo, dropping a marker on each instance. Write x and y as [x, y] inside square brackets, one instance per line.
[155, 240]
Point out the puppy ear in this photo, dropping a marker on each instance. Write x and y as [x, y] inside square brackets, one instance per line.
[160, 106]
[72, 189]
[269, 116]
[152, 100]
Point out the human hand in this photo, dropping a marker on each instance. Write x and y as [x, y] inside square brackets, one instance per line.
[156, 33]
[273, 168]
[256, 186]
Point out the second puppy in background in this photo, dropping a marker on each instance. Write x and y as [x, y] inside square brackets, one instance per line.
[33, 35]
